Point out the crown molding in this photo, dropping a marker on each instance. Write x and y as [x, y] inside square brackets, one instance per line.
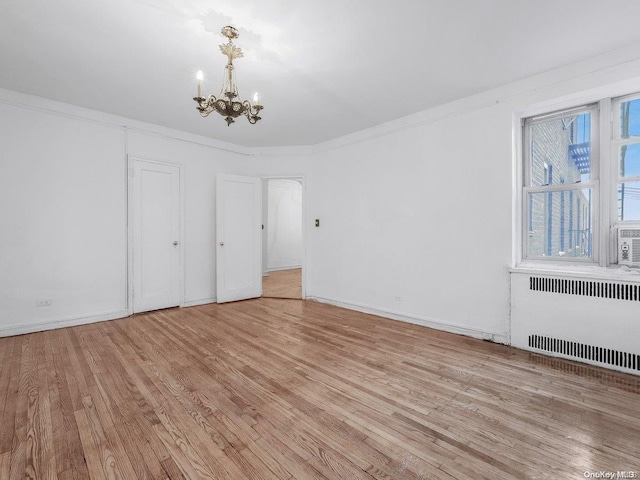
[293, 151]
[612, 71]
[609, 72]
[32, 102]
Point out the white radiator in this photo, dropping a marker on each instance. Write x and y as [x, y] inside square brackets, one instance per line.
[592, 321]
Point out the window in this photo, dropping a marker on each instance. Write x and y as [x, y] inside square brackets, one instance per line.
[572, 202]
[627, 146]
[560, 184]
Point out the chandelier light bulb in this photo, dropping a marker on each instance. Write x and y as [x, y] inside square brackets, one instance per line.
[199, 77]
[256, 98]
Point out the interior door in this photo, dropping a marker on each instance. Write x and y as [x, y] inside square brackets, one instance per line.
[156, 235]
[238, 238]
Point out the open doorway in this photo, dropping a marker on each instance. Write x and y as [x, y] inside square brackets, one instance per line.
[283, 238]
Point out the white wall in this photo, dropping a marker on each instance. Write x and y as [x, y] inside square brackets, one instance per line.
[284, 233]
[63, 217]
[417, 214]
[63, 209]
[418, 223]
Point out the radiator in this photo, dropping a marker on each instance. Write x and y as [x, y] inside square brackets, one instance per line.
[588, 320]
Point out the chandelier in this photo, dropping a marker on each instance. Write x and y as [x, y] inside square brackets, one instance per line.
[228, 107]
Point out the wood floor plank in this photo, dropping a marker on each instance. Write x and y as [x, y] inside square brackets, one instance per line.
[55, 382]
[5, 465]
[182, 451]
[172, 470]
[6, 357]
[256, 454]
[47, 395]
[289, 389]
[11, 375]
[107, 459]
[99, 403]
[24, 398]
[70, 459]
[91, 450]
[76, 376]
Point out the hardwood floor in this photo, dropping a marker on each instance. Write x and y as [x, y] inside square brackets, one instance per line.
[281, 389]
[283, 284]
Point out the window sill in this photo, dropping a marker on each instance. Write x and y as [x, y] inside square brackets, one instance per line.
[614, 272]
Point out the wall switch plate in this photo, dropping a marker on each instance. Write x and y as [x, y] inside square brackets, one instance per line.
[44, 303]
[317, 222]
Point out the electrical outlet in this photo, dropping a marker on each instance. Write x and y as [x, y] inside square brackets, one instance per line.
[398, 298]
[44, 303]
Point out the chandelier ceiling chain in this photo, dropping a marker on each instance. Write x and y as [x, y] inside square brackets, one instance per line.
[228, 107]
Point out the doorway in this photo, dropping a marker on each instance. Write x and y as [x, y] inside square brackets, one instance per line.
[283, 238]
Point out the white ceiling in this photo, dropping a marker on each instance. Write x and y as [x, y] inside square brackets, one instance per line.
[324, 68]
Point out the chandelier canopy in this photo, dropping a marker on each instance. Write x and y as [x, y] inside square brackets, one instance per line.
[225, 104]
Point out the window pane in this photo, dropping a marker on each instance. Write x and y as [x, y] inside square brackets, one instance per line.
[630, 119]
[560, 224]
[560, 150]
[629, 201]
[630, 160]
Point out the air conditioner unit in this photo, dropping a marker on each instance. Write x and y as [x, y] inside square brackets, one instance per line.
[629, 246]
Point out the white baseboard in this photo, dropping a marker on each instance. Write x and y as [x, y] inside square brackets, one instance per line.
[23, 328]
[20, 329]
[286, 267]
[424, 322]
[199, 301]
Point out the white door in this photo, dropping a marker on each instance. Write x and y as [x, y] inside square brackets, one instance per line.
[156, 235]
[238, 238]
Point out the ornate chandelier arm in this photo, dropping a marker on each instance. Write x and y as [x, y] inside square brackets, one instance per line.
[205, 105]
[252, 111]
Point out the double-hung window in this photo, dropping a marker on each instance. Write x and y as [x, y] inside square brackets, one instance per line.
[626, 149]
[561, 185]
[574, 200]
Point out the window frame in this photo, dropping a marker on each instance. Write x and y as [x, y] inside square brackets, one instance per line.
[616, 142]
[594, 183]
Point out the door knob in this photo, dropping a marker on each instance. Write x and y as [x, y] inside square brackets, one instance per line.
[222, 244]
[175, 243]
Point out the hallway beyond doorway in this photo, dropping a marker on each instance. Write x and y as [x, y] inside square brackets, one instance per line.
[283, 284]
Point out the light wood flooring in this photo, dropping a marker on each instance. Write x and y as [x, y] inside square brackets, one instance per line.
[282, 389]
[283, 284]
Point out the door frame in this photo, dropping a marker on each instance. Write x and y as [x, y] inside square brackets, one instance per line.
[130, 236]
[303, 180]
